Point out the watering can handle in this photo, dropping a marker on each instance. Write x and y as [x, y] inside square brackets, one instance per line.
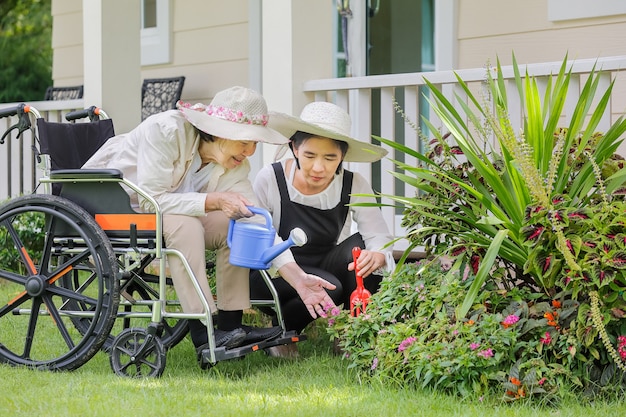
[264, 213]
[255, 210]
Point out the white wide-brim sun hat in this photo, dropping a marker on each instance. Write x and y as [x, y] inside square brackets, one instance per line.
[327, 120]
[237, 113]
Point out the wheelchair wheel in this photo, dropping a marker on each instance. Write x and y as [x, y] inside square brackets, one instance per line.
[170, 331]
[137, 354]
[137, 292]
[57, 270]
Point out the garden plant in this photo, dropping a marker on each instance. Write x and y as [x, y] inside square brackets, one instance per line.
[522, 294]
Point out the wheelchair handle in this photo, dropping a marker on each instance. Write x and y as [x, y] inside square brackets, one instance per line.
[22, 111]
[19, 110]
[94, 113]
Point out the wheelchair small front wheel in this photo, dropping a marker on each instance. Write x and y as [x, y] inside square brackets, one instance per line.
[137, 354]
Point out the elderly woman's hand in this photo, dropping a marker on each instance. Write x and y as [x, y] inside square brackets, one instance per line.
[234, 205]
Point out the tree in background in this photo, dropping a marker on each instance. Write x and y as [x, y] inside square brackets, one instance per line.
[25, 49]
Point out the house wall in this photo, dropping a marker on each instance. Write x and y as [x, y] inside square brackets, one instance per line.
[494, 29]
[209, 46]
[210, 42]
[67, 42]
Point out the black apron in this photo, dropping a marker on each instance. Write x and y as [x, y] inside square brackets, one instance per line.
[322, 227]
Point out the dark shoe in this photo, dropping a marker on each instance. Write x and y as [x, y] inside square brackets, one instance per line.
[260, 334]
[228, 339]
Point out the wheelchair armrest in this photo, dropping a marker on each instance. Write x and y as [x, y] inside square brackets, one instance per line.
[90, 174]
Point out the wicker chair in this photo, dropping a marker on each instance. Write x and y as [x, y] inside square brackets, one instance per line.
[160, 94]
[64, 93]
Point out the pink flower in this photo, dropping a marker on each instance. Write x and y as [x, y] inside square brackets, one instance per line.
[510, 320]
[621, 346]
[374, 363]
[541, 381]
[474, 346]
[487, 353]
[406, 343]
[547, 339]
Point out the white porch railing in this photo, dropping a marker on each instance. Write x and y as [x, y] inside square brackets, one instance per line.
[18, 167]
[370, 102]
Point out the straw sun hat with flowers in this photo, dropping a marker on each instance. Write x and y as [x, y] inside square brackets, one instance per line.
[327, 120]
[237, 113]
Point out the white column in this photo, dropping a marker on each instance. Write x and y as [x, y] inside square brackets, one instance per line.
[446, 34]
[111, 47]
[296, 47]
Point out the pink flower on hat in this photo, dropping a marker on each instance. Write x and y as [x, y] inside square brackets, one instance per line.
[237, 113]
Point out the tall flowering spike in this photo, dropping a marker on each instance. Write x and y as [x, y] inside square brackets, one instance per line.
[557, 153]
[597, 171]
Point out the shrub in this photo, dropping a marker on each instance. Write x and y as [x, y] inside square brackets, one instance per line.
[535, 229]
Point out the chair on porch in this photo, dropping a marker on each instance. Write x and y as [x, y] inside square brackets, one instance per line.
[64, 93]
[160, 94]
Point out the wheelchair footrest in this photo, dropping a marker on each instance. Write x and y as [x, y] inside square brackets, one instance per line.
[222, 353]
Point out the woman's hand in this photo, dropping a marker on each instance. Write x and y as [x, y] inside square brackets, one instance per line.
[368, 262]
[234, 205]
[310, 288]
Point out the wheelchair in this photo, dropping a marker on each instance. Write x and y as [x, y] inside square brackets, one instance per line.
[81, 271]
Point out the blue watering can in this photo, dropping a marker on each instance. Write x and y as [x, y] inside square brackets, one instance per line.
[251, 243]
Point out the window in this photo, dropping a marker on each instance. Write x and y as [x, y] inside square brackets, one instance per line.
[580, 9]
[155, 32]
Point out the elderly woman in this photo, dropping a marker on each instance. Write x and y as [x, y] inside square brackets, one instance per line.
[314, 192]
[193, 162]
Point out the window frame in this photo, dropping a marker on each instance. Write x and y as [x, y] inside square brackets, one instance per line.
[155, 41]
[559, 10]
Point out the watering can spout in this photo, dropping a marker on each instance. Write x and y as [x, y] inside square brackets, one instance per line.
[297, 237]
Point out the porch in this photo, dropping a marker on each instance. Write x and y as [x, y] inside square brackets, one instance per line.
[371, 103]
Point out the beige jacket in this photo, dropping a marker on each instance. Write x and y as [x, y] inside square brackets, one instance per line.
[156, 156]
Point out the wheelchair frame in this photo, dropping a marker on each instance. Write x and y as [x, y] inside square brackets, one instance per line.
[134, 352]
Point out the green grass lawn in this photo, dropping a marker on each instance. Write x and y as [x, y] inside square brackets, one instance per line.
[316, 384]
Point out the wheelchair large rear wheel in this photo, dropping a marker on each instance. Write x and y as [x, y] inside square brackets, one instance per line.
[57, 269]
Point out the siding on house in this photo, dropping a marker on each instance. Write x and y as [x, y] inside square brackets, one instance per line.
[490, 28]
[493, 29]
[67, 42]
[209, 46]
[210, 41]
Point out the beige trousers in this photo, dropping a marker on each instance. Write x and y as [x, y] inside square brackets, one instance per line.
[191, 236]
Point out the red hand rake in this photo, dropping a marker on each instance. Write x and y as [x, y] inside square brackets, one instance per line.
[360, 296]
